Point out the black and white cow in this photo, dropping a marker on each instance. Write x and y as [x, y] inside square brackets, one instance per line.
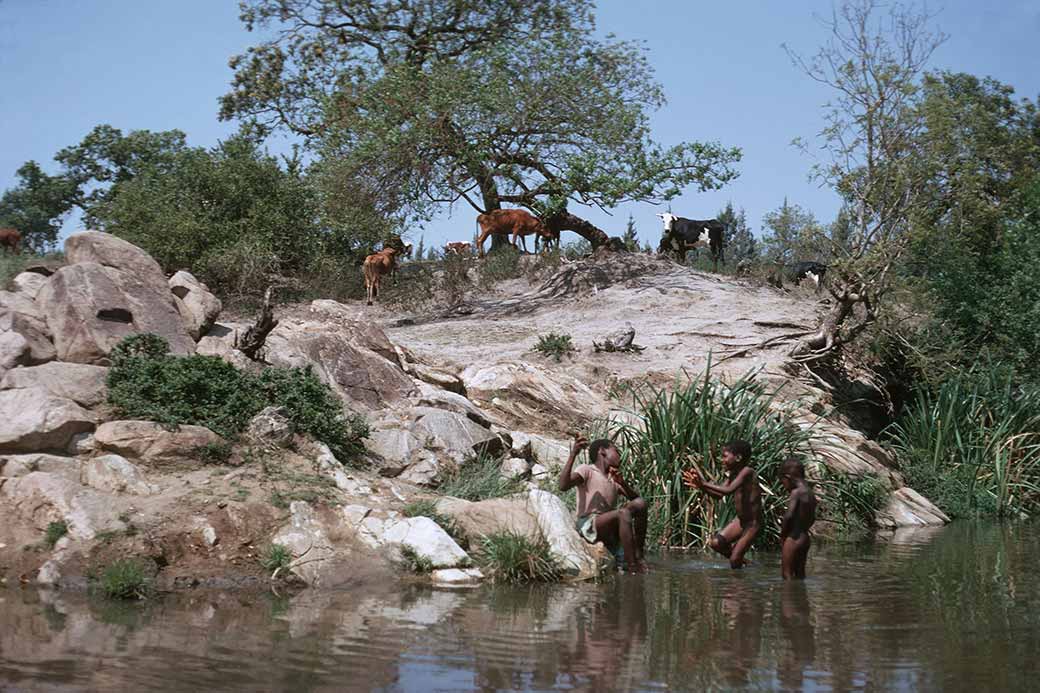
[811, 270]
[681, 235]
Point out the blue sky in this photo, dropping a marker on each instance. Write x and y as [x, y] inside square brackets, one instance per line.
[68, 65]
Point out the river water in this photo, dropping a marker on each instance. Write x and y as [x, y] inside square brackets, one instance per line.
[946, 610]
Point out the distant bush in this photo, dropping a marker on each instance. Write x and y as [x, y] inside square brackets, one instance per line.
[512, 557]
[554, 345]
[146, 382]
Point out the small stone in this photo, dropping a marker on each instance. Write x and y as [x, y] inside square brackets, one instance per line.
[209, 535]
[457, 576]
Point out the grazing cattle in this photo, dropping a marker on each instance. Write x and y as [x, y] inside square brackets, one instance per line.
[11, 240]
[809, 270]
[519, 223]
[681, 235]
[379, 264]
[459, 248]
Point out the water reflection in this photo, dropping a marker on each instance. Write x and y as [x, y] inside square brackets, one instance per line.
[947, 611]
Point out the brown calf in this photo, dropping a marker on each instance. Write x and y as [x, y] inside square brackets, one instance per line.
[517, 222]
[375, 267]
[11, 240]
[459, 248]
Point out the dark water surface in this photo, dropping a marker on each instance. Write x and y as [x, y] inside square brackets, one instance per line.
[954, 609]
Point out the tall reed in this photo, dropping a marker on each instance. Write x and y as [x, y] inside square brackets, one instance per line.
[689, 423]
[972, 445]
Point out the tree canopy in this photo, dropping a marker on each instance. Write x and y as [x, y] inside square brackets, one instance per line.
[487, 103]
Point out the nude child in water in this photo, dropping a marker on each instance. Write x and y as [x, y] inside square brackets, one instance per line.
[734, 540]
[800, 516]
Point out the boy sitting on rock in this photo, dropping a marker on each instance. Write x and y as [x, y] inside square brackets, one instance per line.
[599, 484]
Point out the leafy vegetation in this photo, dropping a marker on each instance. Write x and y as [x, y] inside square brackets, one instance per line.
[126, 578]
[54, 532]
[414, 562]
[972, 445]
[276, 557]
[146, 382]
[512, 557]
[554, 345]
[499, 265]
[478, 479]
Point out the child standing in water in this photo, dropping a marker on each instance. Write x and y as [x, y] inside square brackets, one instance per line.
[599, 484]
[801, 514]
[735, 538]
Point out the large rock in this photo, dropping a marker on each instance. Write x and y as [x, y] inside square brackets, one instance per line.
[198, 307]
[80, 382]
[454, 433]
[111, 251]
[42, 498]
[28, 283]
[115, 474]
[479, 519]
[908, 508]
[549, 452]
[90, 308]
[220, 342]
[152, 443]
[271, 428]
[14, 350]
[525, 392]
[35, 420]
[20, 465]
[557, 526]
[19, 302]
[437, 398]
[420, 534]
[307, 538]
[344, 358]
[33, 330]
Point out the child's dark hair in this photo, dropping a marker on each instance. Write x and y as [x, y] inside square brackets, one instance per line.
[739, 447]
[793, 467]
[597, 445]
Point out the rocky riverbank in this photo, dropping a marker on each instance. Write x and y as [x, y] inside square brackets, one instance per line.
[436, 389]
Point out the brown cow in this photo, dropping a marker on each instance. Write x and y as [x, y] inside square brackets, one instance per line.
[459, 248]
[10, 239]
[376, 265]
[515, 221]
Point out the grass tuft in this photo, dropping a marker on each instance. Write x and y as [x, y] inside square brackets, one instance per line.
[478, 479]
[54, 532]
[124, 579]
[414, 562]
[511, 557]
[276, 557]
[554, 345]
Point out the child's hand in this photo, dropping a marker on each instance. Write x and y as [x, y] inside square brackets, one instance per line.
[580, 443]
[615, 475]
[692, 478]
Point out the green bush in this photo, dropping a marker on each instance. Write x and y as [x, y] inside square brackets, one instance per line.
[54, 532]
[554, 345]
[145, 382]
[512, 557]
[479, 479]
[124, 579]
[972, 445]
[851, 501]
[276, 557]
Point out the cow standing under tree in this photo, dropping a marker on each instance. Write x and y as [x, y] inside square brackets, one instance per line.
[681, 235]
[11, 240]
[519, 223]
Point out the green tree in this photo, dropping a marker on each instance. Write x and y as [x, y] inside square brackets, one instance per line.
[872, 61]
[493, 102]
[793, 234]
[741, 243]
[37, 206]
[629, 239]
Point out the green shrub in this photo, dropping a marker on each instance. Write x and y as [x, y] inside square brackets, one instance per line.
[145, 382]
[851, 501]
[276, 557]
[512, 557]
[479, 479]
[554, 345]
[124, 579]
[972, 445]
[54, 532]
[499, 265]
[414, 562]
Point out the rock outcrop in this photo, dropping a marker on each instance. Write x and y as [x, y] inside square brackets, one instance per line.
[34, 420]
[153, 444]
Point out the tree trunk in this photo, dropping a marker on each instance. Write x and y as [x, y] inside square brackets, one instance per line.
[252, 342]
[565, 221]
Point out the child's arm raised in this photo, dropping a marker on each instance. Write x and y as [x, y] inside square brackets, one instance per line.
[569, 479]
[720, 490]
